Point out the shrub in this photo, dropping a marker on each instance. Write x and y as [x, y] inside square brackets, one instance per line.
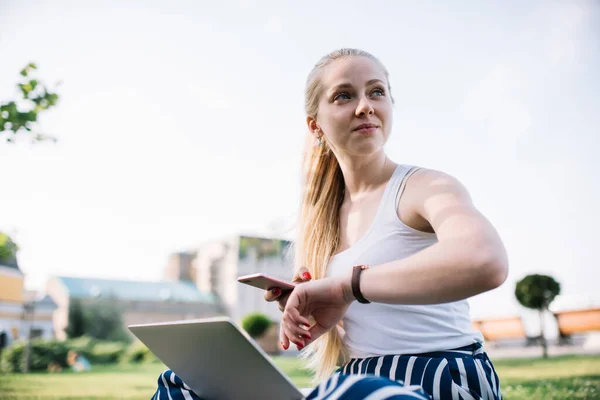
[11, 357]
[107, 352]
[44, 352]
[256, 324]
[41, 353]
[83, 345]
[137, 352]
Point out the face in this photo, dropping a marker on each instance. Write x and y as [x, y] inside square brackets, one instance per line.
[355, 108]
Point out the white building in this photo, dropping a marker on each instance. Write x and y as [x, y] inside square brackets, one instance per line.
[215, 267]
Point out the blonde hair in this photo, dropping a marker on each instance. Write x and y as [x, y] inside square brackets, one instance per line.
[318, 227]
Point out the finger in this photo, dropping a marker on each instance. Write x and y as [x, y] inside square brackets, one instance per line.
[273, 294]
[282, 300]
[296, 318]
[295, 334]
[285, 342]
[302, 275]
[316, 331]
[294, 330]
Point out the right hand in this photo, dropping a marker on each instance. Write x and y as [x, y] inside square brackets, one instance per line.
[276, 294]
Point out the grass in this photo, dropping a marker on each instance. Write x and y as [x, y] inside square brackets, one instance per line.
[569, 377]
[566, 377]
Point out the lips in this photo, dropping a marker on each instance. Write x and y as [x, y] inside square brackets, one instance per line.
[365, 127]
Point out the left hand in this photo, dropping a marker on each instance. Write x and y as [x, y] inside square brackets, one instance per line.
[325, 300]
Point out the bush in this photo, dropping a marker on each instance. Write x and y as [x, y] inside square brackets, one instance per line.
[107, 352]
[256, 324]
[11, 357]
[83, 345]
[137, 352]
[42, 353]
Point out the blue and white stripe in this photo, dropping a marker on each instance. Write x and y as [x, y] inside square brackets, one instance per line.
[465, 373]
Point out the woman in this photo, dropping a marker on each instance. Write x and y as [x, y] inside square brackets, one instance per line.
[395, 251]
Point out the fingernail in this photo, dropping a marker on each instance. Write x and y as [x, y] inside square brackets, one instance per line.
[283, 346]
[307, 337]
[276, 292]
[300, 346]
[306, 276]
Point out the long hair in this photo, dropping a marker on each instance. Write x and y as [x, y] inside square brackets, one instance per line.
[318, 230]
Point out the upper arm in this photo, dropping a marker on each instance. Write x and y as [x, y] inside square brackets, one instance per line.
[446, 205]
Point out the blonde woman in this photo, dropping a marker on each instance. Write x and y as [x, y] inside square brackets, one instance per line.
[387, 254]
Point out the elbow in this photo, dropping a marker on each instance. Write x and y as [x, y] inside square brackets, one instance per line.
[492, 267]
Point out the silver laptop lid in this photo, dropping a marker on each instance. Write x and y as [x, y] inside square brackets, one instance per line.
[217, 360]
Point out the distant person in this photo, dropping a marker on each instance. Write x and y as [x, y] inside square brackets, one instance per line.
[77, 362]
[387, 253]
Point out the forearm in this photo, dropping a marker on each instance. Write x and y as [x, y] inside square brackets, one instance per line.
[447, 271]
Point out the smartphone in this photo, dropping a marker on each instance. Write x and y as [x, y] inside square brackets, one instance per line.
[266, 282]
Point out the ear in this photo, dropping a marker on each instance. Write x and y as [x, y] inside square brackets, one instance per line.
[313, 127]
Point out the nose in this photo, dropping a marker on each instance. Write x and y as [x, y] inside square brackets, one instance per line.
[364, 107]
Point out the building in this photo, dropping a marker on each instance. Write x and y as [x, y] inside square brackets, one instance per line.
[140, 301]
[11, 301]
[22, 313]
[179, 268]
[39, 310]
[216, 265]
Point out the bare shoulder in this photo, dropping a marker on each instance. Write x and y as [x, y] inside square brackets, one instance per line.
[425, 191]
[427, 182]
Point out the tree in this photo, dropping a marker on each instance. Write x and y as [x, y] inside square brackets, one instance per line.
[76, 327]
[256, 324]
[17, 117]
[537, 292]
[100, 320]
[8, 250]
[103, 321]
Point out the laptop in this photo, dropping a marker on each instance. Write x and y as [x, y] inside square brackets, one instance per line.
[217, 360]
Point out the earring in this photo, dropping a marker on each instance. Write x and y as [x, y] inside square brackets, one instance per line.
[319, 141]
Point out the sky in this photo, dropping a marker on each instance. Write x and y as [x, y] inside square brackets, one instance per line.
[183, 122]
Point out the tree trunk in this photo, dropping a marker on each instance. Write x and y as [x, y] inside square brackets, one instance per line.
[542, 336]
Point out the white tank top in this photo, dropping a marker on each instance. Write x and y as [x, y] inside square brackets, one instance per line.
[379, 329]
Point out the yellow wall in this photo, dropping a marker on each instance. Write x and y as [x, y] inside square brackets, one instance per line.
[11, 288]
[18, 316]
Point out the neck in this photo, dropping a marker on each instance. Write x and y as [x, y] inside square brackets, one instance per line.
[365, 175]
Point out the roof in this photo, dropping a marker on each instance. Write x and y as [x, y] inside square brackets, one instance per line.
[10, 262]
[10, 270]
[41, 300]
[135, 290]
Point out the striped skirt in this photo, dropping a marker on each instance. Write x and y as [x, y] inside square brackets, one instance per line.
[465, 373]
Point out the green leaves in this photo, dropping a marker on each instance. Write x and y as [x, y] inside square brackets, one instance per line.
[537, 291]
[8, 250]
[256, 324]
[20, 115]
[25, 71]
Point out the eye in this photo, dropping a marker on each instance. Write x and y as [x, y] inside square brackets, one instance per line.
[341, 96]
[378, 92]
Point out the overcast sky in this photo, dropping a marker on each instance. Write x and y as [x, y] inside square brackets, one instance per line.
[182, 122]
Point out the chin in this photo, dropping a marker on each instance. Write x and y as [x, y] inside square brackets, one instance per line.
[367, 147]
[365, 150]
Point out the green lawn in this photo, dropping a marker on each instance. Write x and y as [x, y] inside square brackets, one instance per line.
[576, 377]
